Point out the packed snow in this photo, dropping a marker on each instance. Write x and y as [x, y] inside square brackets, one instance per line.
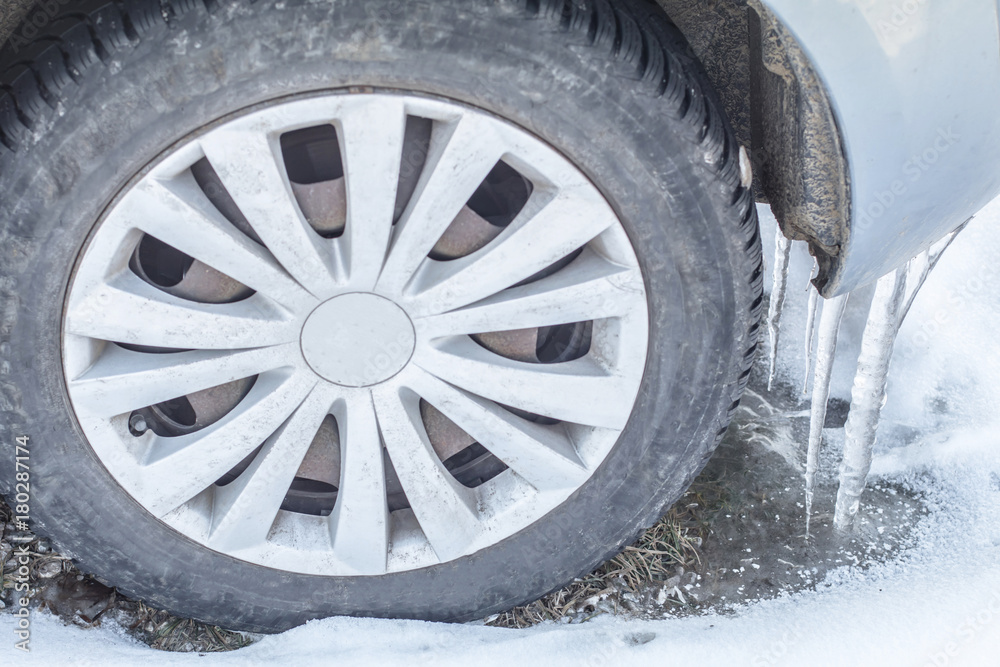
[936, 602]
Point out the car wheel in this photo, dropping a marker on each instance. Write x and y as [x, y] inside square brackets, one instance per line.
[371, 308]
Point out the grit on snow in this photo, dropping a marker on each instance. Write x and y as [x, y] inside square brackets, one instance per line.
[936, 601]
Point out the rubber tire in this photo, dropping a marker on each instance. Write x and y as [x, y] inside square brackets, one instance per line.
[613, 95]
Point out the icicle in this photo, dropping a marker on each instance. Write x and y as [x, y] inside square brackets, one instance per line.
[894, 295]
[782, 246]
[868, 395]
[920, 267]
[826, 351]
[810, 328]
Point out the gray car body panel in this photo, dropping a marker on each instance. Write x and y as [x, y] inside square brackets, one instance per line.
[915, 86]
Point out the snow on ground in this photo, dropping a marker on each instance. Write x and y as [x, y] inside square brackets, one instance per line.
[935, 604]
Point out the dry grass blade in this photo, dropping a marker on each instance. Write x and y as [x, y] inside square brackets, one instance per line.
[665, 550]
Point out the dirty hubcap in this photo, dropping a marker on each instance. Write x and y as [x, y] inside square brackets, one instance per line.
[352, 334]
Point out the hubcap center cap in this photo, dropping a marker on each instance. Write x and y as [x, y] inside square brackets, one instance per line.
[357, 340]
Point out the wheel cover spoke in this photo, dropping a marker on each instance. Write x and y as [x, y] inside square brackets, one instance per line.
[247, 162]
[245, 509]
[546, 232]
[128, 310]
[178, 213]
[179, 468]
[320, 372]
[372, 135]
[359, 524]
[462, 156]
[576, 391]
[590, 288]
[544, 457]
[123, 380]
[446, 510]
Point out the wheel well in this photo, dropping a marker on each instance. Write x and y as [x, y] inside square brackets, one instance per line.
[780, 111]
[775, 101]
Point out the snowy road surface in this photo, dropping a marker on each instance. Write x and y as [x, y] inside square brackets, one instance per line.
[935, 604]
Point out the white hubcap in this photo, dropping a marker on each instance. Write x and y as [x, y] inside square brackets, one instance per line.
[309, 341]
